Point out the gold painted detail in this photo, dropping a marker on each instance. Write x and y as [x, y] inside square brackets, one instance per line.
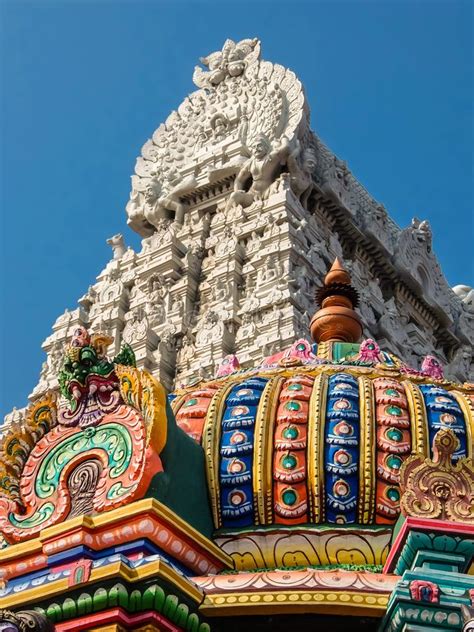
[313, 546]
[467, 406]
[211, 439]
[419, 424]
[140, 390]
[331, 601]
[316, 424]
[324, 351]
[367, 462]
[437, 488]
[263, 451]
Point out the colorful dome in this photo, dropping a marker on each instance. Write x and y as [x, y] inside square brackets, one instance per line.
[317, 437]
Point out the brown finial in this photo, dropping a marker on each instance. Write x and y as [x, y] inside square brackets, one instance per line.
[337, 274]
[336, 320]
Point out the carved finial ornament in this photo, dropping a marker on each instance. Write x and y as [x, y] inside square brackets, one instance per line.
[437, 488]
[336, 320]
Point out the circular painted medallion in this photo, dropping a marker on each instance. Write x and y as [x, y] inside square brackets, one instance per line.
[447, 418]
[239, 410]
[238, 437]
[341, 488]
[237, 497]
[235, 466]
[343, 458]
[289, 462]
[394, 434]
[289, 496]
[342, 404]
[290, 433]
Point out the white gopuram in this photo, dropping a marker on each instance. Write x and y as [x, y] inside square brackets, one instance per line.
[241, 210]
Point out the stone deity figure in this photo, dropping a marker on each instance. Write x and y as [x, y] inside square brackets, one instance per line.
[422, 231]
[262, 167]
[220, 127]
[161, 198]
[301, 165]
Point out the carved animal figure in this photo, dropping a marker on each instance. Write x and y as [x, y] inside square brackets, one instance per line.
[118, 246]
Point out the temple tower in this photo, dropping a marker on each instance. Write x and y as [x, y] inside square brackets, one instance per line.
[241, 210]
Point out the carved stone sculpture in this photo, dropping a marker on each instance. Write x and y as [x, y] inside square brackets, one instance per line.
[118, 246]
[301, 165]
[231, 61]
[466, 294]
[161, 199]
[262, 168]
[242, 101]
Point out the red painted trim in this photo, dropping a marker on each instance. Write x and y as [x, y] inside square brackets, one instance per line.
[117, 615]
[422, 524]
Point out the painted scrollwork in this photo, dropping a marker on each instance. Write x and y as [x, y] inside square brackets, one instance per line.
[90, 453]
[435, 488]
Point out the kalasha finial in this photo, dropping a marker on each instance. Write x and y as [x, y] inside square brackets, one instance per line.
[337, 319]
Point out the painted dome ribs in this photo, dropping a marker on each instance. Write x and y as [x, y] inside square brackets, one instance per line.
[316, 424]
[394, 445]
[466, 404]
[290, 457]
[366, 507]
[443, 411]
[237, 451]
[211, 441]
[264, 446]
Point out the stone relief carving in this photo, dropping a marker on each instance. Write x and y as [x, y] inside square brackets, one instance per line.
[136, 327]
[460, 366]
[231, 61]
[262, 169]
[210, 329]
[466, 294]
[242, 101]
[301, 166]
[414, 257]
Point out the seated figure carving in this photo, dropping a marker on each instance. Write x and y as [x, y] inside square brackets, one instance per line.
[262, 168]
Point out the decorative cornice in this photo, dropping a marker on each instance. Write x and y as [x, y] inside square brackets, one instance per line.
[116, 570]
[124, 524]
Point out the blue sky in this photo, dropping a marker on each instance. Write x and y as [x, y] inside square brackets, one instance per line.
[84, 84]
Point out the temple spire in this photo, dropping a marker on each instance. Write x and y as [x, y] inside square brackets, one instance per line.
[336, 319]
